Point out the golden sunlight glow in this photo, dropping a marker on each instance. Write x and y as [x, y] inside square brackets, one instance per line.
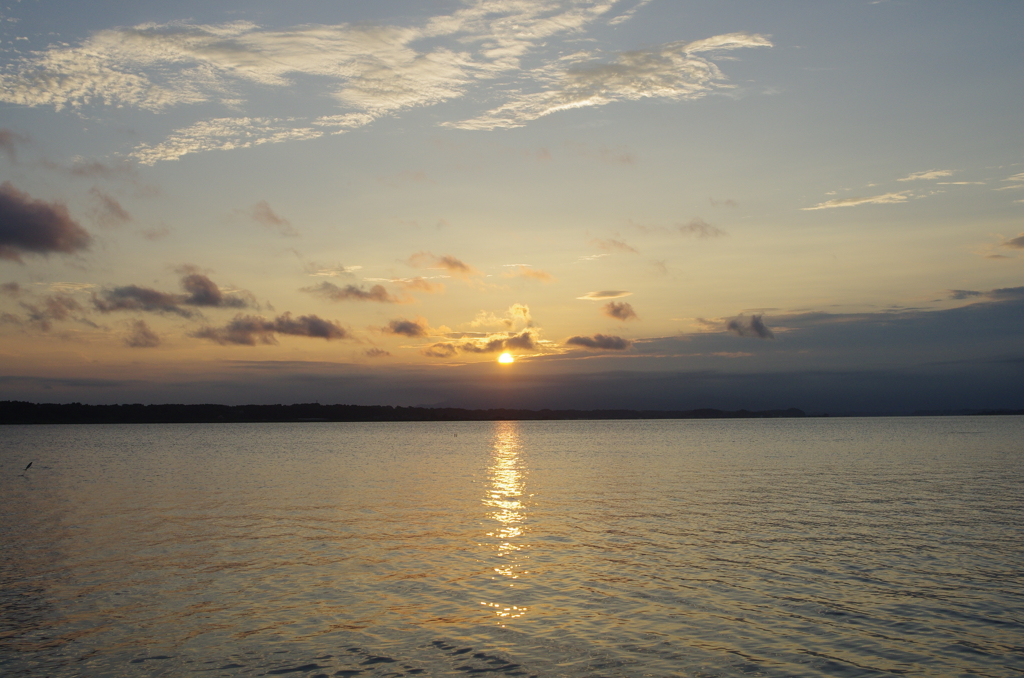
[506, 358]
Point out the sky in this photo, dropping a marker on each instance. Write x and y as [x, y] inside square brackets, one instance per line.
[649, 204]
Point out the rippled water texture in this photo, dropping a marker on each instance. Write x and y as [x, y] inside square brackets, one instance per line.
[846, 547]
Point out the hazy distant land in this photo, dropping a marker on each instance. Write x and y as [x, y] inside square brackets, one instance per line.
[17, 412]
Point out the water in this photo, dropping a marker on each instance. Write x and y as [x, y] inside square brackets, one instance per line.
[838, 547]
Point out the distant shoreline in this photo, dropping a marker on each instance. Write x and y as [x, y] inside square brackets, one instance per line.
[19, 412]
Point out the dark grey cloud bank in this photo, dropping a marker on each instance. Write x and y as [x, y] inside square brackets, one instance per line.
[200, 291]
[895, 361]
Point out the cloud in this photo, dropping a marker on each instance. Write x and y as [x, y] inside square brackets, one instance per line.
[248, 330]
[525, 271]
[408, 328]
[10, 289]
[494, 343]
[141, 336]
[1000, 294]
[700, 228]
[929, 174]
[419, 284]
[223, 134]
[109, 213]
[261, 213]
[135, 298]
[454, 266]
[1015, 243]
[331, 291]
[9, 142]
[376, 353]
[888, 198]
[55, 307]
[336, 271]
[749, 327]
[614, 246]
[620, 310]
[368, 71]
[673, 71]
[605, 294]
[600, 342]
[516, 316]
[200, 291]
[29, 226]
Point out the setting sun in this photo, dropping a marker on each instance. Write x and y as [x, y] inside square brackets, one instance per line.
[506, 358]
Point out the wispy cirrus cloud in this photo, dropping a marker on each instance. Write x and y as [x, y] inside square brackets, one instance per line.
[604, 294]
[223, 134]
[368, 71]
[528, 272]
[885, 199]
[927, 174]
[673, 71]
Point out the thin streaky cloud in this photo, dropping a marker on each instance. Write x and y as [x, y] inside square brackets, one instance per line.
[605, 294]
[223, 134]
[927, 174]
[673, 71]
[885, 199]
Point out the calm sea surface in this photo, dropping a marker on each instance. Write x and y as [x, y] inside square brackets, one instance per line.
[819, 547]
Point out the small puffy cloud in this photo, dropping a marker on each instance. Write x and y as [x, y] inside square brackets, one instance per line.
[454, 266]
[249, 330]
[29, 226]
[204, 292]
[333, 292]
[600, 342]
[492, 343]
[885, 199]
[376, 353]
[528, 272]
[620, 310]
[753, 326]
[928, 174]
[408, 328]
[10, 289]
[605, 294]
[109, 213]
[262, 214]
[699, 228]
[141, 336]
[614, 246]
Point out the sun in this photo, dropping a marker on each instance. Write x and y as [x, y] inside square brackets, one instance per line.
[506, 358]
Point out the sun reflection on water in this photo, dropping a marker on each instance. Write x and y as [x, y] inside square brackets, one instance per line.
[505, 500]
